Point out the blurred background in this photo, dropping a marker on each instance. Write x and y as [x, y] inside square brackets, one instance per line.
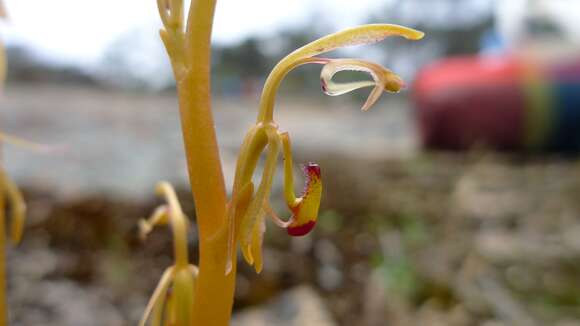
[454, 202]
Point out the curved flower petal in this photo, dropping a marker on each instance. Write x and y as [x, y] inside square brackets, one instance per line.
[237, 209]
[157, 300]
[365, 34]
[257, 241]
[360, 35]
[172, 214]
[158, 217]
[383, 79]
[250, 243]
[251, 226]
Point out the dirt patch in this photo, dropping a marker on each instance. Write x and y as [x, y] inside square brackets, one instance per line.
[439, 239]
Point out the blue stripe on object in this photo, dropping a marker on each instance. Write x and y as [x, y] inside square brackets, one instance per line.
[566, 134]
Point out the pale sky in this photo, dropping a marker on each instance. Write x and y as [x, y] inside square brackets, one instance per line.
[79, 30]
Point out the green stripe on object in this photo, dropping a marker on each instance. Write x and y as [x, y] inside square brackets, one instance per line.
[539, 113]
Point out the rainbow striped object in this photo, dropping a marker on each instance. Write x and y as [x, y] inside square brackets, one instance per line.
[505, 103]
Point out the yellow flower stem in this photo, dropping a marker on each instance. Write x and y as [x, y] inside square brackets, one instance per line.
[204, 165]
[157, 301]
[214, 290]
[288, 171]
[183, 279]
[272, 84]
[181, 276]
[178, 224]
[190, 58]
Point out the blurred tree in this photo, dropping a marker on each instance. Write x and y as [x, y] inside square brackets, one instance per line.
[241, 68]
[452, 27]
[136, 60]
[26, 66]
[245, 59]
[285, 42]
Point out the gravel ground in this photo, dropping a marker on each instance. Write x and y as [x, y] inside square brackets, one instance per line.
[124, 143]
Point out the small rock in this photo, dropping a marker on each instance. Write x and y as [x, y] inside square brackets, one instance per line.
[329, 277]
[63, 303]
[301, 306]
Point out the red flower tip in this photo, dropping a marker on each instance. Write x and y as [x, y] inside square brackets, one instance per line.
[312, 170]
[300, 230]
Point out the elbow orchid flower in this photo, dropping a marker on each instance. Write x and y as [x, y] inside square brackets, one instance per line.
[165, 306]
[248, 207]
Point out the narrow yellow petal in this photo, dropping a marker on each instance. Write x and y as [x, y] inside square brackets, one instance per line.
[173, 214]
[256, 207]
[360, 35]
[257, 240]
[236, 209]
[183, 293]
[158, 217]
[251, 225]
[246, 248]
[158, 297]
[288, 170]
[373, 97]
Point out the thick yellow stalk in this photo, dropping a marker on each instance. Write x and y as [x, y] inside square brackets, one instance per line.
[204, 165]
[214, 290]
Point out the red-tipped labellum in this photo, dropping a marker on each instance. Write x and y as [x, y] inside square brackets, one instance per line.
[300, 230]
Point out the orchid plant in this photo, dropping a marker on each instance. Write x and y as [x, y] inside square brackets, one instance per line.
[224, 224]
